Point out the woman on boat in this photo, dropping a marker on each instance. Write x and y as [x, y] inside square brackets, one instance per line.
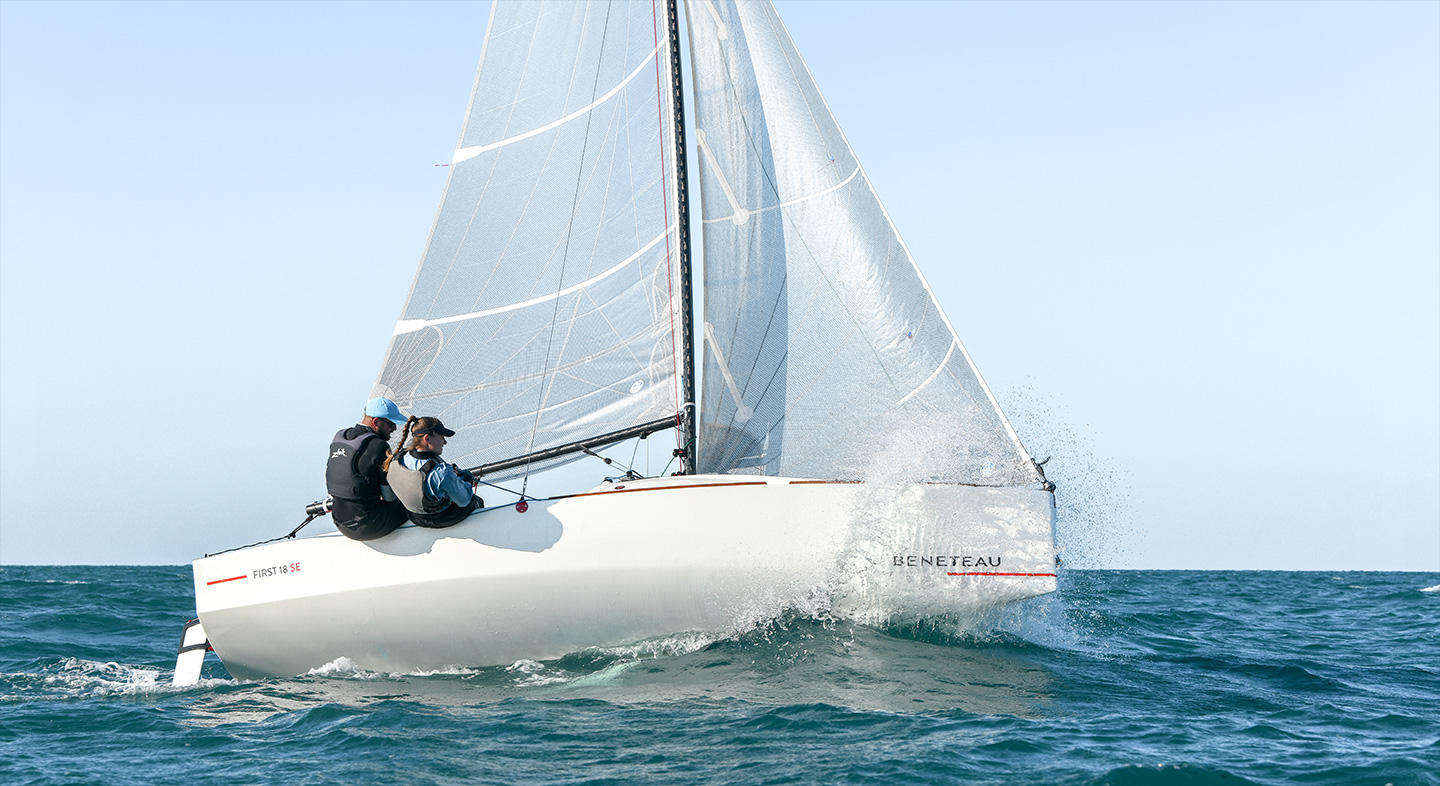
[435, 494]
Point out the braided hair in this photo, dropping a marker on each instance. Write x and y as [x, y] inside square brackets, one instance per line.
[404, 435]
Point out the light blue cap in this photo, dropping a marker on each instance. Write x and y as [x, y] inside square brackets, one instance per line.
[381, 407]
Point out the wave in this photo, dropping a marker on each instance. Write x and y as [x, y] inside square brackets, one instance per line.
[793, 660]
[72, 678]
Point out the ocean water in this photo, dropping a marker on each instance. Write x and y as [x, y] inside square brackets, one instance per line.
[1122, 677]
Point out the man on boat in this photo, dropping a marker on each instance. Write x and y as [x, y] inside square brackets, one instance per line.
[362, 505]
[435, 493]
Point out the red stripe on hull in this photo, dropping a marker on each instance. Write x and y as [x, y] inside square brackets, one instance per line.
[659, 488]
[1051, 575]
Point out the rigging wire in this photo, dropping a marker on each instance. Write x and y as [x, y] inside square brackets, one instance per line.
[520, 494]
[630, 473]
[565, 254]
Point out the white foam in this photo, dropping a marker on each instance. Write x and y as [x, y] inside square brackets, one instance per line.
[443, 671]
[341, 667]
[662, 647]
[345, 668]
[76, 677]
[532, 673]
[1435, 588]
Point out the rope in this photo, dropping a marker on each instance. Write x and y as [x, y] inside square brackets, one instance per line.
[520, 494]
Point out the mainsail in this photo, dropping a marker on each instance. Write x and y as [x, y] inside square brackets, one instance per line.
[542, 310]
[546, 309]
[824, 347]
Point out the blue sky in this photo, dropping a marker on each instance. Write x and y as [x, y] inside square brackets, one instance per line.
[1205, 240]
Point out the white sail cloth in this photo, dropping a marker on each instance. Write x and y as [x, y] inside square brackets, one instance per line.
[541, 312]
[825, 350]
[545, 308]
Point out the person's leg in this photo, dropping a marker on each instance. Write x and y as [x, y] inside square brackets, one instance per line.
[448, 517]
[376, 523]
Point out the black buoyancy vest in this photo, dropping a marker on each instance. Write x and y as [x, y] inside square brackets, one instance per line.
[343, 479]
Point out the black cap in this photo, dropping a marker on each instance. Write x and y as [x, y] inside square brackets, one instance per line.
[433, 427]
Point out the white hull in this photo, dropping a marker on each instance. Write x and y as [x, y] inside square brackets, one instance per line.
[628, 562]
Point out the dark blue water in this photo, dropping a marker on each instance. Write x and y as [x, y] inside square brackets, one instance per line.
[1120, 678]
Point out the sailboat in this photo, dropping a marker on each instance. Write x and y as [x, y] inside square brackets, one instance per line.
[844, 455]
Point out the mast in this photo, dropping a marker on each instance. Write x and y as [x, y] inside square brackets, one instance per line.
[686, 416]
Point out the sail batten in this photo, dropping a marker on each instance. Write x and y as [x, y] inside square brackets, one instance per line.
[411, 325]
[467, 153]
[938, 369]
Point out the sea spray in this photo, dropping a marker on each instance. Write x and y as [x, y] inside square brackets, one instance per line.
[902, 521]
[1092, 497]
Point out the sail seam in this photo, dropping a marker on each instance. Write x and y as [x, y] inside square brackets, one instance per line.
[565, 369]
[743, 214]
[485, 190]
[412, 325]
[930, 378]
[467, 153]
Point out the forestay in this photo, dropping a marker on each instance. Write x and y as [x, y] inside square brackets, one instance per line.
[541, 312]
[825, 350]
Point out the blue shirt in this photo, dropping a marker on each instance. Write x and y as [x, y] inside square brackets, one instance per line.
[442, 482]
